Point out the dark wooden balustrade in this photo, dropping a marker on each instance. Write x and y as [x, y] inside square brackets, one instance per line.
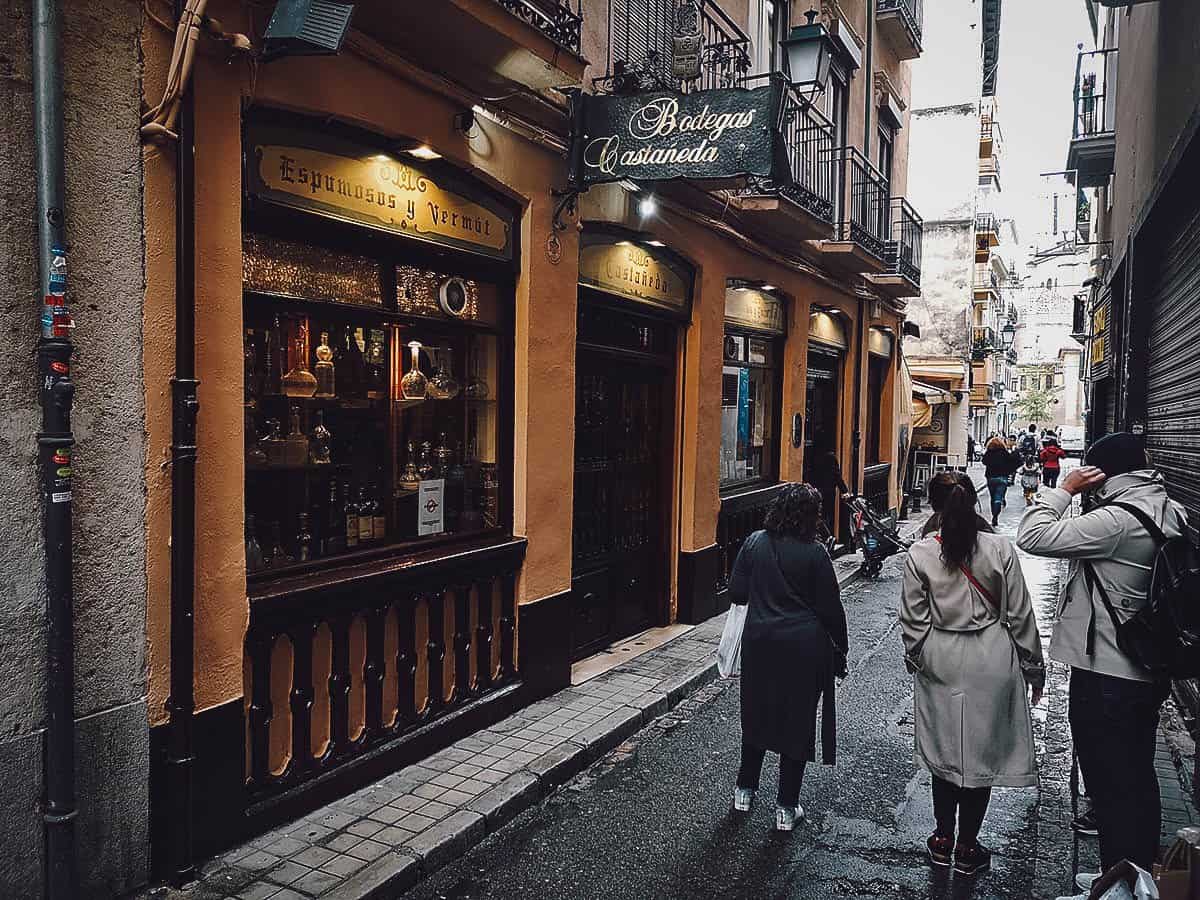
[741, 515]
[471, 592]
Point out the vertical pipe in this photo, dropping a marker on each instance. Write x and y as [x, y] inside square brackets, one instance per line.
[184, 409]
[869, 67]
[856, 434]
[54, 453]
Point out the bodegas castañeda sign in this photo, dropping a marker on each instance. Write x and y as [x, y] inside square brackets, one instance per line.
[660, 135]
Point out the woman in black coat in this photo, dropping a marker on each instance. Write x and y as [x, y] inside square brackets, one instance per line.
[793, 646]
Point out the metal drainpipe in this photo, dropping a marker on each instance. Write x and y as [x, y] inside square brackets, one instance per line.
[54, 453]
[856, 480]
[184, 409]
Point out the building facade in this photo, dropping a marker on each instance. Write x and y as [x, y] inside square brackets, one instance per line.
[461, 422]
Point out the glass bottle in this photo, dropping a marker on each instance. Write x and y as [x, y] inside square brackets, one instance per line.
[366, 522]
[376, 363]
[277, 556]
[456, 477]
[304, 539]
[324, 367]
[442, 384]
[378, 516]
[296, 453]
[477, 387]
[350, 517]
[299, 382]
[443, 454]
[351, 367]
[414, 385]
[273, 444]
[320, 442]
[254, 554]
[425, 465]
[249, 369]
[334, 538]
[255, 455]
[410, 479]
[274, 358]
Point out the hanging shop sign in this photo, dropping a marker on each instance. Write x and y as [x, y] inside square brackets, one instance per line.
[1099, 361]
[644, 274]
[879, 342]
[338, 178]
[754, 309]
[656, 136]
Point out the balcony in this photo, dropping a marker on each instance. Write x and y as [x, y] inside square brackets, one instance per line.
[899, 24]
[901, 276]
[983, 342]
[726, 59]
[801, 206]
[862, 208]
[989, 172]
[990, 137]
[987, 236]
[518, 48]
[1094, 127]
[985, 284]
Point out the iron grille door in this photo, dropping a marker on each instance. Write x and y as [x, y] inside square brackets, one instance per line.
[1173, 376]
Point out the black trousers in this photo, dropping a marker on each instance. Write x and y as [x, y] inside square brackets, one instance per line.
[791, 774]
[1050, 477]
[966, 805]
[1114, 724]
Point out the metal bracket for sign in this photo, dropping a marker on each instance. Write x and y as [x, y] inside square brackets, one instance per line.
[568, 202]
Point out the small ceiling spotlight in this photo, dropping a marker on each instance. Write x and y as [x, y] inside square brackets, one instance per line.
[423, 151]
[647, 206]
[766, 287]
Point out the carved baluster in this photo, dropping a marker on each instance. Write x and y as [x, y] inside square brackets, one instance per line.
[260, 644]
[406, 662]
[301, 698]
[462, 643]
[483, 636]
[508, 626]
[374, 669]
[339, 685]
[435, 651]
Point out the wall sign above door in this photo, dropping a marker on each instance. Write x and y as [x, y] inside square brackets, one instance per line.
[706, 135]
[338, 178]
[643, 274]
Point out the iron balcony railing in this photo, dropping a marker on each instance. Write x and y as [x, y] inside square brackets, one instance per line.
[903, 249]
[989, 130]
[553, 18]
[725, 59]
[864, 210]
[983, 339]
[1095, 93]
[989, 167]
[985, 279]
[985, 223]
[910, 11]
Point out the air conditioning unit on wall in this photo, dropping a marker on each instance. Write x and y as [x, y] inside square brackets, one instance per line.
[1121, 3]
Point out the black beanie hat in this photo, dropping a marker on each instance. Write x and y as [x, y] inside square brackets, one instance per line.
[1116, 454]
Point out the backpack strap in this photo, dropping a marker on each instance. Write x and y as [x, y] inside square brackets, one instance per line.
[1096, 586]
[1148, 523]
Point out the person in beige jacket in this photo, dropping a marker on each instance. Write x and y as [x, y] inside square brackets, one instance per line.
[971, 640]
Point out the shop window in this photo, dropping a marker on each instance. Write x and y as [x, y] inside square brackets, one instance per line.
[371, 394]
[750, 390]
[877, 369]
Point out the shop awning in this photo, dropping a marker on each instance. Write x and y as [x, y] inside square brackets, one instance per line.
[924, 398]
[947, 373]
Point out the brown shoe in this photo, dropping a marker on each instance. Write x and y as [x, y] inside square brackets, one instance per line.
[941, 849]
[968, 860]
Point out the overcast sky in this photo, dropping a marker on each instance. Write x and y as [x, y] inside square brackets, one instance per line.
[1038, 40]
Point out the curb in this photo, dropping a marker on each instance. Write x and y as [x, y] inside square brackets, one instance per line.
[401, 869]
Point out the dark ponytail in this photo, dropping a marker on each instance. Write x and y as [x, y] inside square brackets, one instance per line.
[960, 525]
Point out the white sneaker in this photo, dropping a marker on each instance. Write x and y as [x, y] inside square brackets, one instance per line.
[743, 798]
[1085, 880]
[786, 819]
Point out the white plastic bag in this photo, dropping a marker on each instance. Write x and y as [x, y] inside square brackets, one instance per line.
[729, 652]
[1118, 879]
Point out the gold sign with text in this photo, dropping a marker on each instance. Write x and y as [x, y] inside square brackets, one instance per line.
[376, 190]
[755, 309]
[635, 272]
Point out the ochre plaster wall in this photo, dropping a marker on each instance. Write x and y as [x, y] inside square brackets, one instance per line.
[373, 95]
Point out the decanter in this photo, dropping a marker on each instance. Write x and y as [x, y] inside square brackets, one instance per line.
[299, 382]
[304, 539]
[442, 384]
[296, 452]
[273, 444]
[443, 454]
[414, 385]
[277, 556]
[320, 442]
[477, 387]
[324, 367]
[254, 553]
[425, 467]
[255, 455]
[410, 479]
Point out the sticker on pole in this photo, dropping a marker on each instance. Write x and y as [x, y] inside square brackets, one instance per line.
[61, 497]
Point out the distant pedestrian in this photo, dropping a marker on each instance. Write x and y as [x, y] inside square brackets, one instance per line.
[970, 448]
[793, 646]
[1031, 477]
[971, 642]
[1029, 441]
[825, 473]
[1050, 456]
[1114, 702]
[999, 463]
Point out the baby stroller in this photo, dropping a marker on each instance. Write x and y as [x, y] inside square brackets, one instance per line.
[876, 537]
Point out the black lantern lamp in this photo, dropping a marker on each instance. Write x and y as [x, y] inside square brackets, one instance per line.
[809, 50]
[306, 28]
[1008, 334]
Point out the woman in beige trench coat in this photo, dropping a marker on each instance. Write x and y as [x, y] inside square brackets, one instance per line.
[972, 642]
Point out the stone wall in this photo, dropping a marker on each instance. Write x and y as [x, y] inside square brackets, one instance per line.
[104, 229]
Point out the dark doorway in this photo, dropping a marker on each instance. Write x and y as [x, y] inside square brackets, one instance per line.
[624, 415]
[821, 468]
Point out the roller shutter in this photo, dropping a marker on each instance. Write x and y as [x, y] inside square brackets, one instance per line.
[1173, 377]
